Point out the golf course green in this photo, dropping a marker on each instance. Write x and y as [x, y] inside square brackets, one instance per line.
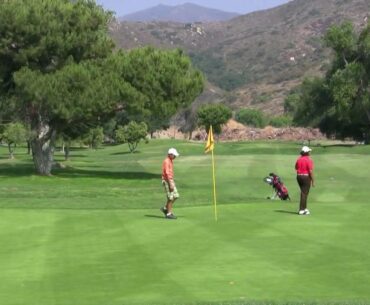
[93, 234]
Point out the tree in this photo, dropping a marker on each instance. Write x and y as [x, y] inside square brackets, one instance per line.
[58, 70]
[313, 103]
[61, 100]
[215, 115]
[339, 103]
[48, 54]
[343, 40]
[14, 134]
[251, 117]
[189, 120]
[95, 137]
[167, 81]
[131, 134]
[291, 102]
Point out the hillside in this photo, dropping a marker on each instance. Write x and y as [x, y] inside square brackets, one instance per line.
[257, 57]
[184, 13]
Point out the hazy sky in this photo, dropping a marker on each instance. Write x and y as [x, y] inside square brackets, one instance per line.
[124, 7]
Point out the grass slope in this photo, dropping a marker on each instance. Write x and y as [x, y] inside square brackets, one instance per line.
[92, 233]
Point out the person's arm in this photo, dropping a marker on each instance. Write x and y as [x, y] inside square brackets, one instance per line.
[310, 173]
[171, 184]
[312, 178]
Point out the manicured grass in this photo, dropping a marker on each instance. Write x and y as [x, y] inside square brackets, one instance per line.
[93, 233]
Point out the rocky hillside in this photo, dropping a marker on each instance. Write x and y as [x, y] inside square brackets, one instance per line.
[255, 58]
[184, 13]
[234, 131]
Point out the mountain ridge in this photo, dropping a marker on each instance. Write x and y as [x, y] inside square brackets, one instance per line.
[255, 58]
[184, 13]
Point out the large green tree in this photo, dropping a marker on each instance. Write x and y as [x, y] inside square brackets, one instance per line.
[167, 81]
[58, 71]
[49, 55]
[339, 103]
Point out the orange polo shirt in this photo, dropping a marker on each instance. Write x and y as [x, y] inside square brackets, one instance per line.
[167, 169]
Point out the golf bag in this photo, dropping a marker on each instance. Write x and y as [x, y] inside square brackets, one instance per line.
[280, 189]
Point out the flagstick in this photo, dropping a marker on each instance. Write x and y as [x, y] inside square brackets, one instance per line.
[214, 185]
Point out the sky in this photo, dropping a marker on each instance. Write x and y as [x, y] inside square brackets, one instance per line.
[124, 7]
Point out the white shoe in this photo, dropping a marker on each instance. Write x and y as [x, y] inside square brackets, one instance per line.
[306, 212]
[301, 212]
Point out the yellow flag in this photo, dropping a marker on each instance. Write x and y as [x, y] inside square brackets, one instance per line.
[210, 142]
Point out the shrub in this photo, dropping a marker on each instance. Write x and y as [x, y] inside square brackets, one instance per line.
[281, 121]
[132, 134]
[251, 117]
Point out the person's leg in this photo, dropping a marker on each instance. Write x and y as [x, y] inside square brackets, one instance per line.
[303, 201]
[304, 184]
[172, 196]
[306, 190]
[164, 209]
[169, 206]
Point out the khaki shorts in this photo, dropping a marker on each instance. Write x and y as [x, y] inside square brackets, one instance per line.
[170, 195]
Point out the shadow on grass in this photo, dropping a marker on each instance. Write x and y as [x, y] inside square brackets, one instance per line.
[339, 145]
[124, 153]
[16, 170]
[71, 156]
[19, 170]
[155, 216]
[162, 217]
[286, 212]
[79, 173]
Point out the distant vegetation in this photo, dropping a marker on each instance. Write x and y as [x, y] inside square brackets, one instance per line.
[257, 118]
[215, 115]
[266, 48]
[217, 71]
[251, 117]
[339, 103]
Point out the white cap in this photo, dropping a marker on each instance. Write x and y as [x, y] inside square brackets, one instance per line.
[305, 149]
[173, 151]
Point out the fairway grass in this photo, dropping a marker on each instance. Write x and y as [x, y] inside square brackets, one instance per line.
[92, 234]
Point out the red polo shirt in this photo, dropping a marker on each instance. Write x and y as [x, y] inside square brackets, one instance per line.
[304, 165]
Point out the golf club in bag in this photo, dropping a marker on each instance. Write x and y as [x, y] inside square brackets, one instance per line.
[278, 186]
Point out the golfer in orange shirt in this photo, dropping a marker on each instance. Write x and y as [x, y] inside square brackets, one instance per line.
[169, 183]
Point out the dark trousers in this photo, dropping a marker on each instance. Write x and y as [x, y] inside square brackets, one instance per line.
[304, 183]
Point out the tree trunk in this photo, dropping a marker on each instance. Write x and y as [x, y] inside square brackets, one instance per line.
[367, 137]
[43, 150]
[11, 150]
[28, 147]
[66, 152]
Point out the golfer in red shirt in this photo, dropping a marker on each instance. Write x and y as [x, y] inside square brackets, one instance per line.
[169, 183]
[305, 178]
